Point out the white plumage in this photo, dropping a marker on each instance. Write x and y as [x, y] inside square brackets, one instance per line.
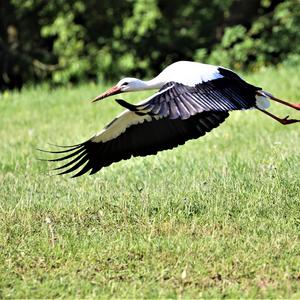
[188, 73]
[119, 125]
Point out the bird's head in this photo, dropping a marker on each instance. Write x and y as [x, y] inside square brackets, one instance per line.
[124, 85]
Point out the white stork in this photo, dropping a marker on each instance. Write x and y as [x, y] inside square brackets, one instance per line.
[193, 98]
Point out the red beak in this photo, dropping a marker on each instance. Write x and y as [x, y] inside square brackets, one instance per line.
[112, 91]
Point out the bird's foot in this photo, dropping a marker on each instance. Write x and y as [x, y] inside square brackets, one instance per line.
[287, 121]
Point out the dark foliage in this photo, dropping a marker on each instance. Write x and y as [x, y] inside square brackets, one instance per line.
[70, 41]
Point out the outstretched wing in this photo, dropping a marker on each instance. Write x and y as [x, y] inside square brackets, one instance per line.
[176, 100]
[133, 135]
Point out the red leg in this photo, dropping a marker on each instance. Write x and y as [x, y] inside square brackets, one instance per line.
[293, 105]
[284, 121]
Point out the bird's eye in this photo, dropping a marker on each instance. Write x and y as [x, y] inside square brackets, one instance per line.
[124, 83]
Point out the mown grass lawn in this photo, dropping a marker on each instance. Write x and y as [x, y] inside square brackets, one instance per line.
[217, 217]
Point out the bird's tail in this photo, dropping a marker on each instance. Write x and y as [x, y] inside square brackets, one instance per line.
[262, 99]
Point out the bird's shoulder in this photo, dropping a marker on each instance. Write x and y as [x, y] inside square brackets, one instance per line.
[189, 73]
[193, 74]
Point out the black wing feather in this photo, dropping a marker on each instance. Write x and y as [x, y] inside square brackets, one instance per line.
[142, 139]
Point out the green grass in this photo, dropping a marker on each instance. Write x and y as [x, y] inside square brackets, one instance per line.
[217, 217]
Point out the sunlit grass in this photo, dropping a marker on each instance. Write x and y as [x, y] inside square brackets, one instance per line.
[217, 217]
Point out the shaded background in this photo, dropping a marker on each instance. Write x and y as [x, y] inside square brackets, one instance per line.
[62, 41]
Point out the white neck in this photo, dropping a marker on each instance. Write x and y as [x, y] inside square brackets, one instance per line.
[154, 83]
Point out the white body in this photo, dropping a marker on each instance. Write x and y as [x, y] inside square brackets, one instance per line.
[188, 73]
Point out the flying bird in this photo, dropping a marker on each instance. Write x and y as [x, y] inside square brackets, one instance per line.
[192, 99]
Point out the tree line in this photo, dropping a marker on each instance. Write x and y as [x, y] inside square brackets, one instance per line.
[61, 41]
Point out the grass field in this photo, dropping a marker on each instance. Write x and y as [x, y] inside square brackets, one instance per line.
[217, 217]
